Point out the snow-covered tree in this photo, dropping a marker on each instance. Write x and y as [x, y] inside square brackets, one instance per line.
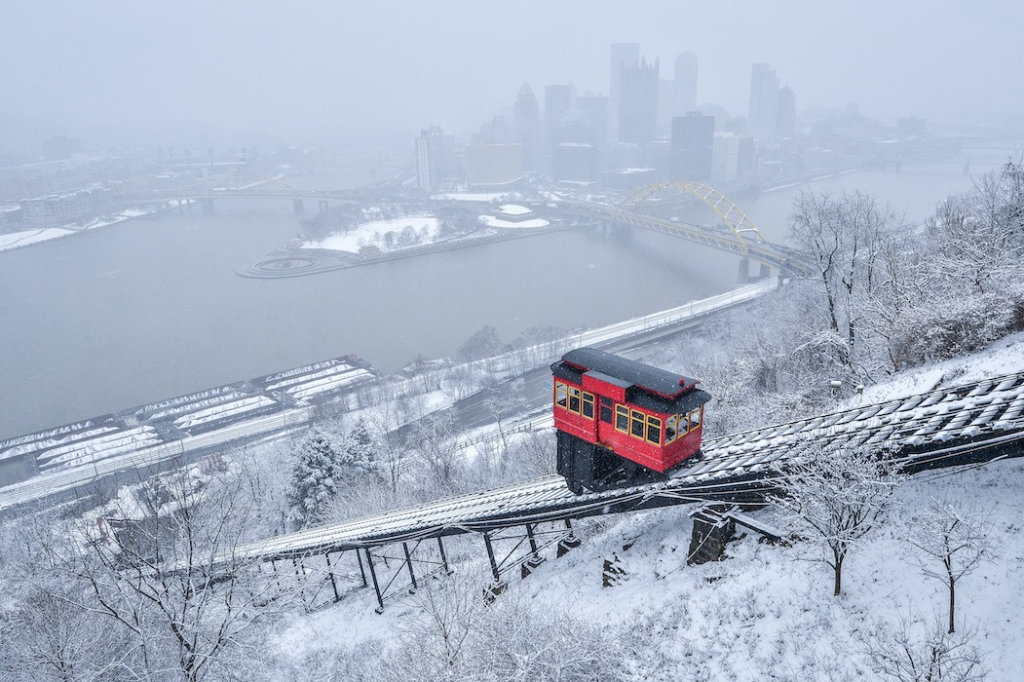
[141, 595]
[919, 652]
[483, 343]
[359, 451]
[438, 446]
[952, 540]
[842, 238]
[837, 496]
[314, 480]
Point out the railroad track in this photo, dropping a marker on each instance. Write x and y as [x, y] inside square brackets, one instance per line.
[943, 427]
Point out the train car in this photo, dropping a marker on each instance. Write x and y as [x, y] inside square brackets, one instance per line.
[621, 422]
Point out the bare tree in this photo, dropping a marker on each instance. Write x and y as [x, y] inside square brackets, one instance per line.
[174, 583]
[56, 639]
[842, 237]
[383, 419]
[979, 237]
[953, 540]
[924, 654]
[438, 445]
[837, 496]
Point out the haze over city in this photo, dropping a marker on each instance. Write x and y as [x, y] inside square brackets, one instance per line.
[323, 70]
[501, 341]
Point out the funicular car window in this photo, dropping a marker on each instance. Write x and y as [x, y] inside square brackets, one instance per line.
[574, 399]
[621, 417]
[671, 428]
[606, 410]
[588, 405]
[695, 418]
[654, 430]
[560, 394]
[637, 421]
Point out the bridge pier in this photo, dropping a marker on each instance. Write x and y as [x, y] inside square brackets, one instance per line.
[744, 273]
[324, 207]
[765, 272]
[297, 206]
[207, 205]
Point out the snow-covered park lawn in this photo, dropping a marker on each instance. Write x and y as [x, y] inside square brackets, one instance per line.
[386, 235]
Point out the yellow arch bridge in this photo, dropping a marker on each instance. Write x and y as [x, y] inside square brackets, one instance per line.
[735, 232]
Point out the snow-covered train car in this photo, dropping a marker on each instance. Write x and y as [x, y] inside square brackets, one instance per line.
[621, 422]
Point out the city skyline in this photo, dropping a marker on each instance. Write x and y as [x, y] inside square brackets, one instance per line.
[331, 68]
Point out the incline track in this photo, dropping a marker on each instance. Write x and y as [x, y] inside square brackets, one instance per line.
[944, 427]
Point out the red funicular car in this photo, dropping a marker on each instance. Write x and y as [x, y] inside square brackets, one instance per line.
[621, 422]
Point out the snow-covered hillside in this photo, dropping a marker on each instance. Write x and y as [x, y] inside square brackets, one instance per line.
[765, 612]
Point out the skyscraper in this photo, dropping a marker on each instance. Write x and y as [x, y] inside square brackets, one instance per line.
[526, 114]
[558, 101]
[622, 55]
[685, 84]
[638, 102]
[725, 158]
[785, 124]
[525, 109]
[693, 143]
[764, 103]
[433, 157]
[592, 111]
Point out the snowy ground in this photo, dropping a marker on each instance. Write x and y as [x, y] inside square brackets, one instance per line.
[482, 197]
[376, 234]
[765, 612]
[494, 221]
[14, 240]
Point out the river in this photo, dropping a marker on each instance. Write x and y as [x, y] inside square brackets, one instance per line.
[152, 308]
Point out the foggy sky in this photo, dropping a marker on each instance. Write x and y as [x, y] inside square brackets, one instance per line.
[334, 67]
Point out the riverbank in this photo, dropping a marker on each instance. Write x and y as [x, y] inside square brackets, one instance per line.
[301, 261]
[16, 240]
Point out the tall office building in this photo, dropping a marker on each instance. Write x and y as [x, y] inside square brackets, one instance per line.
[785, 123]
[725, 158]
[434, 162]
[623, 55]
[764, 103]
[666, 100]
[558, 101]
[685, 84]
[638, 102]
[575, 162]
[526, 114]
[592, 111]
[525, 109]
[693, 143]
[493, 165]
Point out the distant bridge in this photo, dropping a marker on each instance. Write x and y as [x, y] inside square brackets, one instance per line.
[735, 233]
[981, 143]
[255, 190]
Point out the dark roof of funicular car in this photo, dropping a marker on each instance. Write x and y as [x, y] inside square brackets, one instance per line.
[657, 389]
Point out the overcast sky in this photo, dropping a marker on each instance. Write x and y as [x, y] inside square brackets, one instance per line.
[312, 68]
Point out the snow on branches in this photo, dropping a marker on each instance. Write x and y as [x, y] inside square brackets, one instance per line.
[837, 497]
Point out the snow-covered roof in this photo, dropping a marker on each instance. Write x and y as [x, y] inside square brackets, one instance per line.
[514, 209]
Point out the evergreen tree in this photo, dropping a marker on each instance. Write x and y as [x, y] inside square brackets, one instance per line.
[361, 448]
[314, 480]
